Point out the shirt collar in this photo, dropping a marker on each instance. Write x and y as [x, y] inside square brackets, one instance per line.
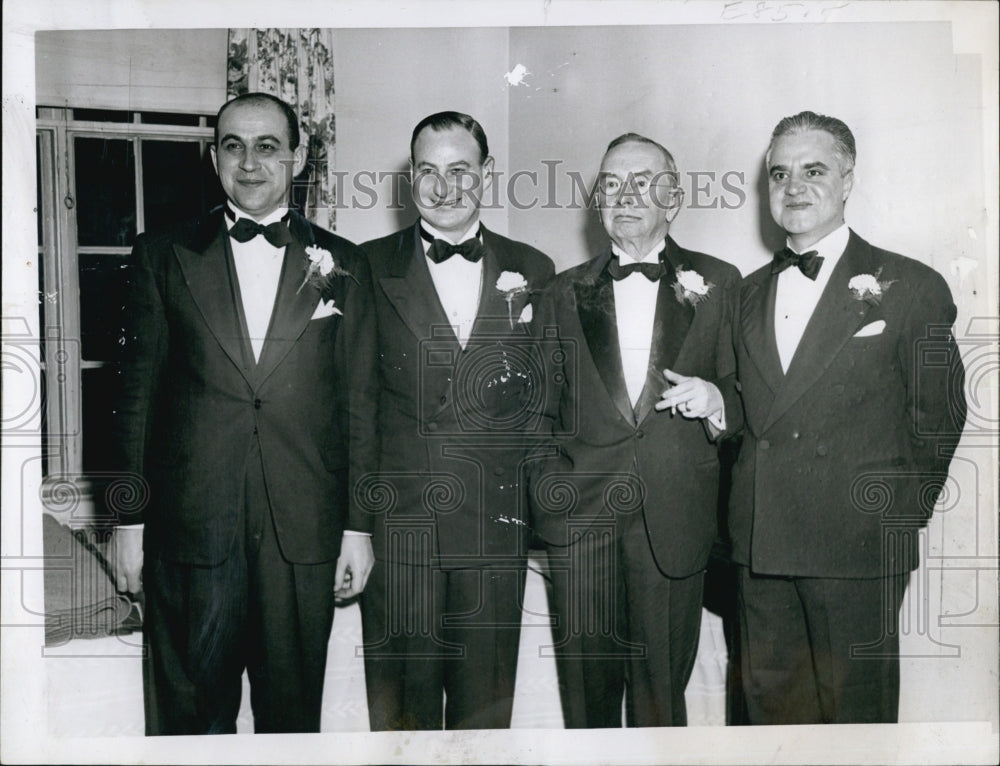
[830, 247]
[275, 215]
[436, 234]
[653, 256]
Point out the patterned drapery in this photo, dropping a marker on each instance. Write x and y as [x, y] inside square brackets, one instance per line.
[297, 66]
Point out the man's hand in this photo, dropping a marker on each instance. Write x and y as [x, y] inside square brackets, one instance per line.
[691, 397]
[353, 566]
[126, 558]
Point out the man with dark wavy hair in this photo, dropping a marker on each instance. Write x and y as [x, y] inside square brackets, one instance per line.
[852, 387]
[453, 306]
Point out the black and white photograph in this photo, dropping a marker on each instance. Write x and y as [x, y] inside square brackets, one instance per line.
[549, 381]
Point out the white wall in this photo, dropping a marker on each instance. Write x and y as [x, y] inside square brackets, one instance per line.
[387, 80]
[132, 69]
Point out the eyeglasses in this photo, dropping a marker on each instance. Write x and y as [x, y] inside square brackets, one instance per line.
[611, 186]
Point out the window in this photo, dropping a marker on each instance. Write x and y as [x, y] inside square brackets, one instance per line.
[103, 177]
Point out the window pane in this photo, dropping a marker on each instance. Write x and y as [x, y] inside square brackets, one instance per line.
[177, 182]
[100, 390]
[103, 281]
[169, 118]
[105, 192]
[102, 115]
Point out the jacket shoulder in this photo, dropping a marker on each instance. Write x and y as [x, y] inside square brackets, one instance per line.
[715, 269]
[534, 260]
[183, 233]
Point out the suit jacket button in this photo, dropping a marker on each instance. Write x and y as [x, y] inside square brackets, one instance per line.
[795, 434]
[639, 434]
[764, 444]
[444, 400]
[432, 426]
[821, 450]
[256, 404]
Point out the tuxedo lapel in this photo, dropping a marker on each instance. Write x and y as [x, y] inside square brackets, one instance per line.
[671, 323]
[411, 291]
[293, 307]
[757, 331]
[206, 269]
[595, 304]
[837, 316]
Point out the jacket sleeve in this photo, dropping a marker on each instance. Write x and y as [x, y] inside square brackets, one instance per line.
[934, 377]
[141, 364]
[725, 359]
[357, 375]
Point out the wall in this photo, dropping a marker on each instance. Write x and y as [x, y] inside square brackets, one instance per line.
[387, 80]
[712, 94]
[132, 69]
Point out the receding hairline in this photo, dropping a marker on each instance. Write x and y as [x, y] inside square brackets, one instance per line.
[843, 158]
[635, 138]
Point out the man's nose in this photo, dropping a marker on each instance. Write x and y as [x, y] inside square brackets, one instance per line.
[249, 161]
[794, 186]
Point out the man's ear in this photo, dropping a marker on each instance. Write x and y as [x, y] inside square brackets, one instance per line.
[848, 183]
[487, 173]
[301, 154]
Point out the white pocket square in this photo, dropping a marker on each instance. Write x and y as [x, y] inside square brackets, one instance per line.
[325, 309]
[527, 314]
[875, 328]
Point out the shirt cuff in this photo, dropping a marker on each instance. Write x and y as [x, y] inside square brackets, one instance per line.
[718, 419]
[356, 533]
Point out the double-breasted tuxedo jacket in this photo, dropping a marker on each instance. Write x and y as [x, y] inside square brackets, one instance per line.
[193, 397]
[451, 421]
[610, 459]
[854, 441]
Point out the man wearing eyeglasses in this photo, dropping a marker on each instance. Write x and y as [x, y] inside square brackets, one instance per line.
[625, 496]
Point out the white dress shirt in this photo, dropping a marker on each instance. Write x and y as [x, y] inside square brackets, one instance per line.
[258, 271]
[458, 283]
[635, 310]
[797, 295]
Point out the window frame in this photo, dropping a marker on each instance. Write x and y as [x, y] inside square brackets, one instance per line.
[59, 253]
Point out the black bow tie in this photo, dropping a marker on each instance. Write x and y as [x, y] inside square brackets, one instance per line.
[809, 263]
[440, 250]
[245, 229]
[651, 271]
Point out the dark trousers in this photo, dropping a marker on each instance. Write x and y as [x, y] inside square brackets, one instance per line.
[429, 631]
[254, 611]
[622, 627]
[818, 650]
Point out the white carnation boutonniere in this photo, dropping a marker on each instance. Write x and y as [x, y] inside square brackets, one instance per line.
[691, 287]
[322, 271]
[513, 284]
[868, 287]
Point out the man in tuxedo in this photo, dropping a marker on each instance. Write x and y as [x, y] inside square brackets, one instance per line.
[852, 386]
[626, 498]
[453, 304]
[247, 383]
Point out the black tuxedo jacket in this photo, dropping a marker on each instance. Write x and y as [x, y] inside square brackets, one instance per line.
[606, 459]
[193, 397]
[849, 448]
[451, 421]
